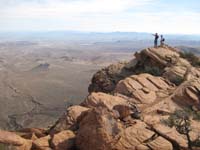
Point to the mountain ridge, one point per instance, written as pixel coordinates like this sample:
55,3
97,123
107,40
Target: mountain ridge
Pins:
129,107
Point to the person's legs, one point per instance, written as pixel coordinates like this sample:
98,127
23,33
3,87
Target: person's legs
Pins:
162,43
155,43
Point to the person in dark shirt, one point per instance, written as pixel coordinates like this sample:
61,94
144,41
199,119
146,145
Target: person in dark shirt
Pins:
156,40
162,40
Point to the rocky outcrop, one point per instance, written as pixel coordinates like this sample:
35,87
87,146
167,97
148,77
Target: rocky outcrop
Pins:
104,100
126,109
16,141
138,136
106,79
188,93
68,120
11,138
163,61
101,129
172,135
42,143
144,88
97,129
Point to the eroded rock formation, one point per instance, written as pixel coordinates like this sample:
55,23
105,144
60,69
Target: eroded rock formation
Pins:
125,108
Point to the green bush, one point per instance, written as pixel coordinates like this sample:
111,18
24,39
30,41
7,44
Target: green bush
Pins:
180,119
194,114
176,118
6,147
178,80
196,142
191,57
153,71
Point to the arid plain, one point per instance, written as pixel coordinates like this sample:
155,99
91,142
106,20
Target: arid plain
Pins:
39,79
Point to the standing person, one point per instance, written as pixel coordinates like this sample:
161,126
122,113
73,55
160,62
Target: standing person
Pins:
156,40
162,40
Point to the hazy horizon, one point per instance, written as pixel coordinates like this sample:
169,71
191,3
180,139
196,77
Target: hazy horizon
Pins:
86,32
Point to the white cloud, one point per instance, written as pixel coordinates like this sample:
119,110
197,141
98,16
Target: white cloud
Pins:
95,15
56,8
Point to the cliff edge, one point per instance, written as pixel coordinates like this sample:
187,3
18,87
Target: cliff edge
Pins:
149,103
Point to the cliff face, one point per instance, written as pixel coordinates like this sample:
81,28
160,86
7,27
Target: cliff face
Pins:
130,107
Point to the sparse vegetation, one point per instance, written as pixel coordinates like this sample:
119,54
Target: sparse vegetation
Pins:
153,70
196,142
5,147
191,57
181,120
194,114
178,80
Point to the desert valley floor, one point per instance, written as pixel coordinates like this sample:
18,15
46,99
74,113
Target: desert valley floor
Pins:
39,79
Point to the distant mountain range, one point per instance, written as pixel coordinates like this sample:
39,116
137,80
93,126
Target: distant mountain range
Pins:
120,41
92,36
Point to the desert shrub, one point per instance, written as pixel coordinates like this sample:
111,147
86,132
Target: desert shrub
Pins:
180,119
5,147
178,80
185,113
194,114
153,71
191,57
196,142
197,116
176,119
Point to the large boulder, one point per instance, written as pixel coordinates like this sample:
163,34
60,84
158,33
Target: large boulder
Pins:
188,93
194,133
26,146
116,103
162,55
169,63
11,138
137,137
69,118
104,100
172,135
144,88
106,79
97,128
156,124
42,143
63,140
16,141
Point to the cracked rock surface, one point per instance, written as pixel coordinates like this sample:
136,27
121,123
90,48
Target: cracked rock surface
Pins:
124,110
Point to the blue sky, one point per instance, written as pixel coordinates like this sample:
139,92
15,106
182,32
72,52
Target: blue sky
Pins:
163,16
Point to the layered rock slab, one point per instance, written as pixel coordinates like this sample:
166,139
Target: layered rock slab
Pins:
188,93
162,61
144,88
